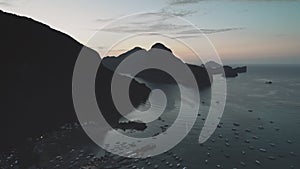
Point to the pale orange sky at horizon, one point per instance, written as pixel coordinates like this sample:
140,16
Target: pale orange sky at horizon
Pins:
244,31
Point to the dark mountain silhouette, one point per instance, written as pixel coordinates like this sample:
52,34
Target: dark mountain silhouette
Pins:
157,76
112,62
227,71
242,69
161,46
233,72
36,69
213,65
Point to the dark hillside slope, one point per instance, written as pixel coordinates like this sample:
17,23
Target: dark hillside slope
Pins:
36,70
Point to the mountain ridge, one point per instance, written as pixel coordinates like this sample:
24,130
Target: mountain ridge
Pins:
36,66
203,78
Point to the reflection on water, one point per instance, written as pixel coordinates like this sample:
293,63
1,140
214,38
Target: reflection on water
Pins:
258,128
168,123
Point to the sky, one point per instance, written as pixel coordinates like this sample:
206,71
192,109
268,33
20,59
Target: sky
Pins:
237,31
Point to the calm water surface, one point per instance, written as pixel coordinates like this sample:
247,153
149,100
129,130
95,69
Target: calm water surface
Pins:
268,116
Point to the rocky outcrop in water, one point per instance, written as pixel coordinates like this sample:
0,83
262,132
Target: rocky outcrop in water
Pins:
242,69
227,71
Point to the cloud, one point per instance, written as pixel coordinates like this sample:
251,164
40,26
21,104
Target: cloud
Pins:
101,47
160,23
154,16
178,12
168,28
183,2
160,16
104,19
187,2
185,37
208,31
149,27
5,3
9,3
196,33
145,17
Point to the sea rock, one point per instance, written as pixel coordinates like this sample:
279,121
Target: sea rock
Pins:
242,69
229,72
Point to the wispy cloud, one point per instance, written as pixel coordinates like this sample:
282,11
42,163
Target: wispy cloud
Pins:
5,3
161,15
178,12
159,22
185,37
187,2
11,2
162,22
208,31
174,29
147,27
105,19
183,2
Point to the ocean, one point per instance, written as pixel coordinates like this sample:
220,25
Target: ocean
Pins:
258,129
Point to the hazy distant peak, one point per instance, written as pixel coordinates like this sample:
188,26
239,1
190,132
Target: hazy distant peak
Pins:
161,46
212,64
